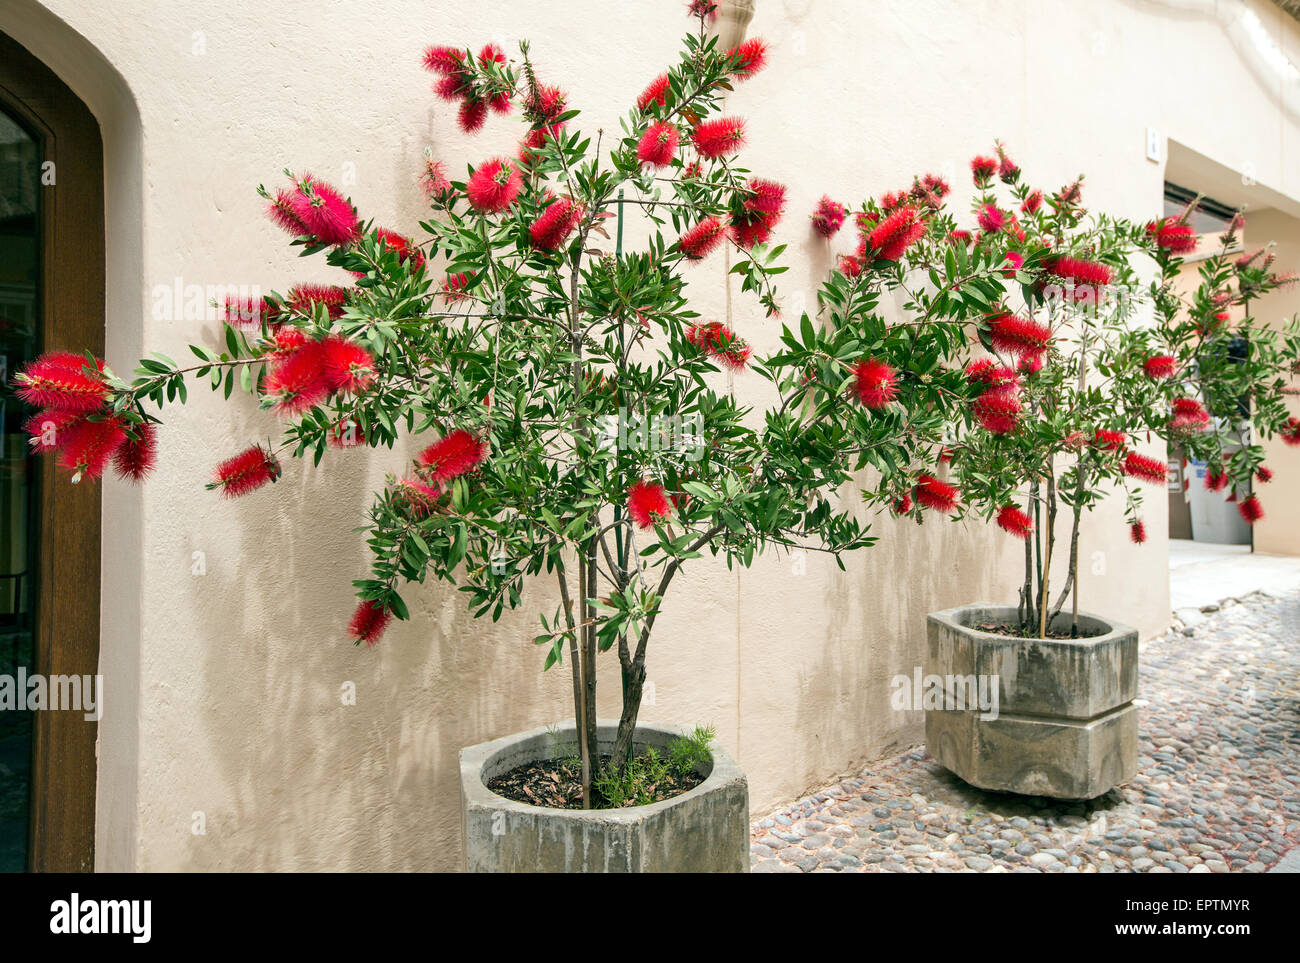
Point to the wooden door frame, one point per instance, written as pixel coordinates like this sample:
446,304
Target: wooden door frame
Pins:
72,297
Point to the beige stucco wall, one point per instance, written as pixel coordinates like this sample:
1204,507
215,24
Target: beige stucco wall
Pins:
1278,533
224,688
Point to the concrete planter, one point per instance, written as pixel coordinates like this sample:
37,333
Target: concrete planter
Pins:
1065,725
705,830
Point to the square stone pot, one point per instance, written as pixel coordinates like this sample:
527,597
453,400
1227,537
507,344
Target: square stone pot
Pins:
1066,725
705,830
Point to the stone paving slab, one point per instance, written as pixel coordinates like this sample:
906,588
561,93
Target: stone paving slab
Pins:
1217,790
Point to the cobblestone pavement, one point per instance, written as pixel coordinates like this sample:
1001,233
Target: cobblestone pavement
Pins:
1217,790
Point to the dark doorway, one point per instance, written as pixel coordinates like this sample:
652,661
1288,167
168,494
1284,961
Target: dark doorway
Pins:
51,299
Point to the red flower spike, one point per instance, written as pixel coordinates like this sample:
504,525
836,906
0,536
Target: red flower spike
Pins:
1015,522
646,502
1160,366
60,382
494,186
1080,272
346,433
1108,440
1138,532
1019,336
658,145
246,472
281,211
891,239
368,622
983,169
453,455
990,219
751,57
48,429
720,343
1251,510
875,383
702,239
299,381
305,297
444,60
348,366
240,311
1032,203
87,446
434,181
901,506
935,494
829,217
1144,468
135,458
719,138
471,115
656,93
324,211
1172,235
1264,474
554,225
1216,479
850,266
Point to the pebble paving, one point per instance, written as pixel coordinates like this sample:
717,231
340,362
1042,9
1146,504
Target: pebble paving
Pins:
1217,789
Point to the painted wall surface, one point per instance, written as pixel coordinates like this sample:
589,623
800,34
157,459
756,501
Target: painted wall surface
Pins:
225,668
1278,533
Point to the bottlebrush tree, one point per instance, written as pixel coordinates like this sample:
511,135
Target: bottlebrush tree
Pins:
990,375
1213,378
570,410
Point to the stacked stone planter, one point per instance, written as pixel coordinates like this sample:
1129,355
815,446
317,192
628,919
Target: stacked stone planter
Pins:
1066,725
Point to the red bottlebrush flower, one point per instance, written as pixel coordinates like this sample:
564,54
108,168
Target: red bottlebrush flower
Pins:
86,447
299,380
402,246
453,287
494,185
453,455
1160,366
1264,474
935,494
1030,364
434,181
247,312
1008,170
988,372
286,340
554,225
472,115
829,217
719,138
750,56
1145,468
703,239
990,219
960,237
323,211
135,458
1075,440
347,365
546,105
761,211
1189,415
368,622
765,197
903,505
1032,203
658,145
892,201
420,498
720,343
1138,532
1216,479
1016,260
1071,193
647,501
246,472
346,433
1108,440
1172,235
48,428
896,234
1015,522
281,211
1019,336
850,266
444,60
1251,510
60,382
704,9
305,297
875,383
656,93
983,168
530,147
1084,276
998,410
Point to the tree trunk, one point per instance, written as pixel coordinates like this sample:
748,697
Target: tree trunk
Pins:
633,683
